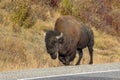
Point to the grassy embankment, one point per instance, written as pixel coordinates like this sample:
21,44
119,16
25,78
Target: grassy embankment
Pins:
22,48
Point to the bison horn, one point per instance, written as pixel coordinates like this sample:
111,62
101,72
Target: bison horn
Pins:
61,35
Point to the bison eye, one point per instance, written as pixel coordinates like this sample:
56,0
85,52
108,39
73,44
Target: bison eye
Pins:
53,43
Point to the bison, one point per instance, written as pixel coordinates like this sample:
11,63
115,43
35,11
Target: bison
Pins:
69,35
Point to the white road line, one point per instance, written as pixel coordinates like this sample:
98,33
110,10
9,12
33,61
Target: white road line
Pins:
82,73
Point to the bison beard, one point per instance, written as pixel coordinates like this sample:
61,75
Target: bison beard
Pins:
69,35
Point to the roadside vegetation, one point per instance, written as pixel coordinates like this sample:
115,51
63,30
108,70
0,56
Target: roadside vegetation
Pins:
22,25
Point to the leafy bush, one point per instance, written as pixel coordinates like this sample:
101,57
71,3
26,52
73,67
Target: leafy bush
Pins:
66,7
98,13
115,22
76,8
22,13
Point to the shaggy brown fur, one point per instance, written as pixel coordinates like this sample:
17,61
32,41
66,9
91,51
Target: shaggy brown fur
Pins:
76,36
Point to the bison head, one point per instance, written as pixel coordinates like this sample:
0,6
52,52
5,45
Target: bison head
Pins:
53,40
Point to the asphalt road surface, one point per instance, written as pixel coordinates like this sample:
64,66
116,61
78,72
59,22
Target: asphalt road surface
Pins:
98,75
110,71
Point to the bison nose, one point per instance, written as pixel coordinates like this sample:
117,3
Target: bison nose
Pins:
53,56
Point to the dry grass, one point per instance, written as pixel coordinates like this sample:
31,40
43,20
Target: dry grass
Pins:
107,48
27,50
22,48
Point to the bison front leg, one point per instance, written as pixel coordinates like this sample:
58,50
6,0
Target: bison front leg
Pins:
67,60
64,59
80,56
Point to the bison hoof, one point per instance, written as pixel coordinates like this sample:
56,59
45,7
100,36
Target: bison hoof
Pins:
77,64
91,63
67,63
53,56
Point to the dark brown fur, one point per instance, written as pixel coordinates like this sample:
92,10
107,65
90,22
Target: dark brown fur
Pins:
76,36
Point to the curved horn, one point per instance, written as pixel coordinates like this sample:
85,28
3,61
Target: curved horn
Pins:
61,35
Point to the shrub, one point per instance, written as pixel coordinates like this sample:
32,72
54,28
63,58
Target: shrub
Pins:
81,9
76,8
54,3
98,13
66,7
115,15
22,13
42,9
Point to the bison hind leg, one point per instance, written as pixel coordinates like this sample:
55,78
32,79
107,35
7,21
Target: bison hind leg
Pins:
91,54
80,56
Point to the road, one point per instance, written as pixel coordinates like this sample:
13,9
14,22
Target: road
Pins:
98,75
110,71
